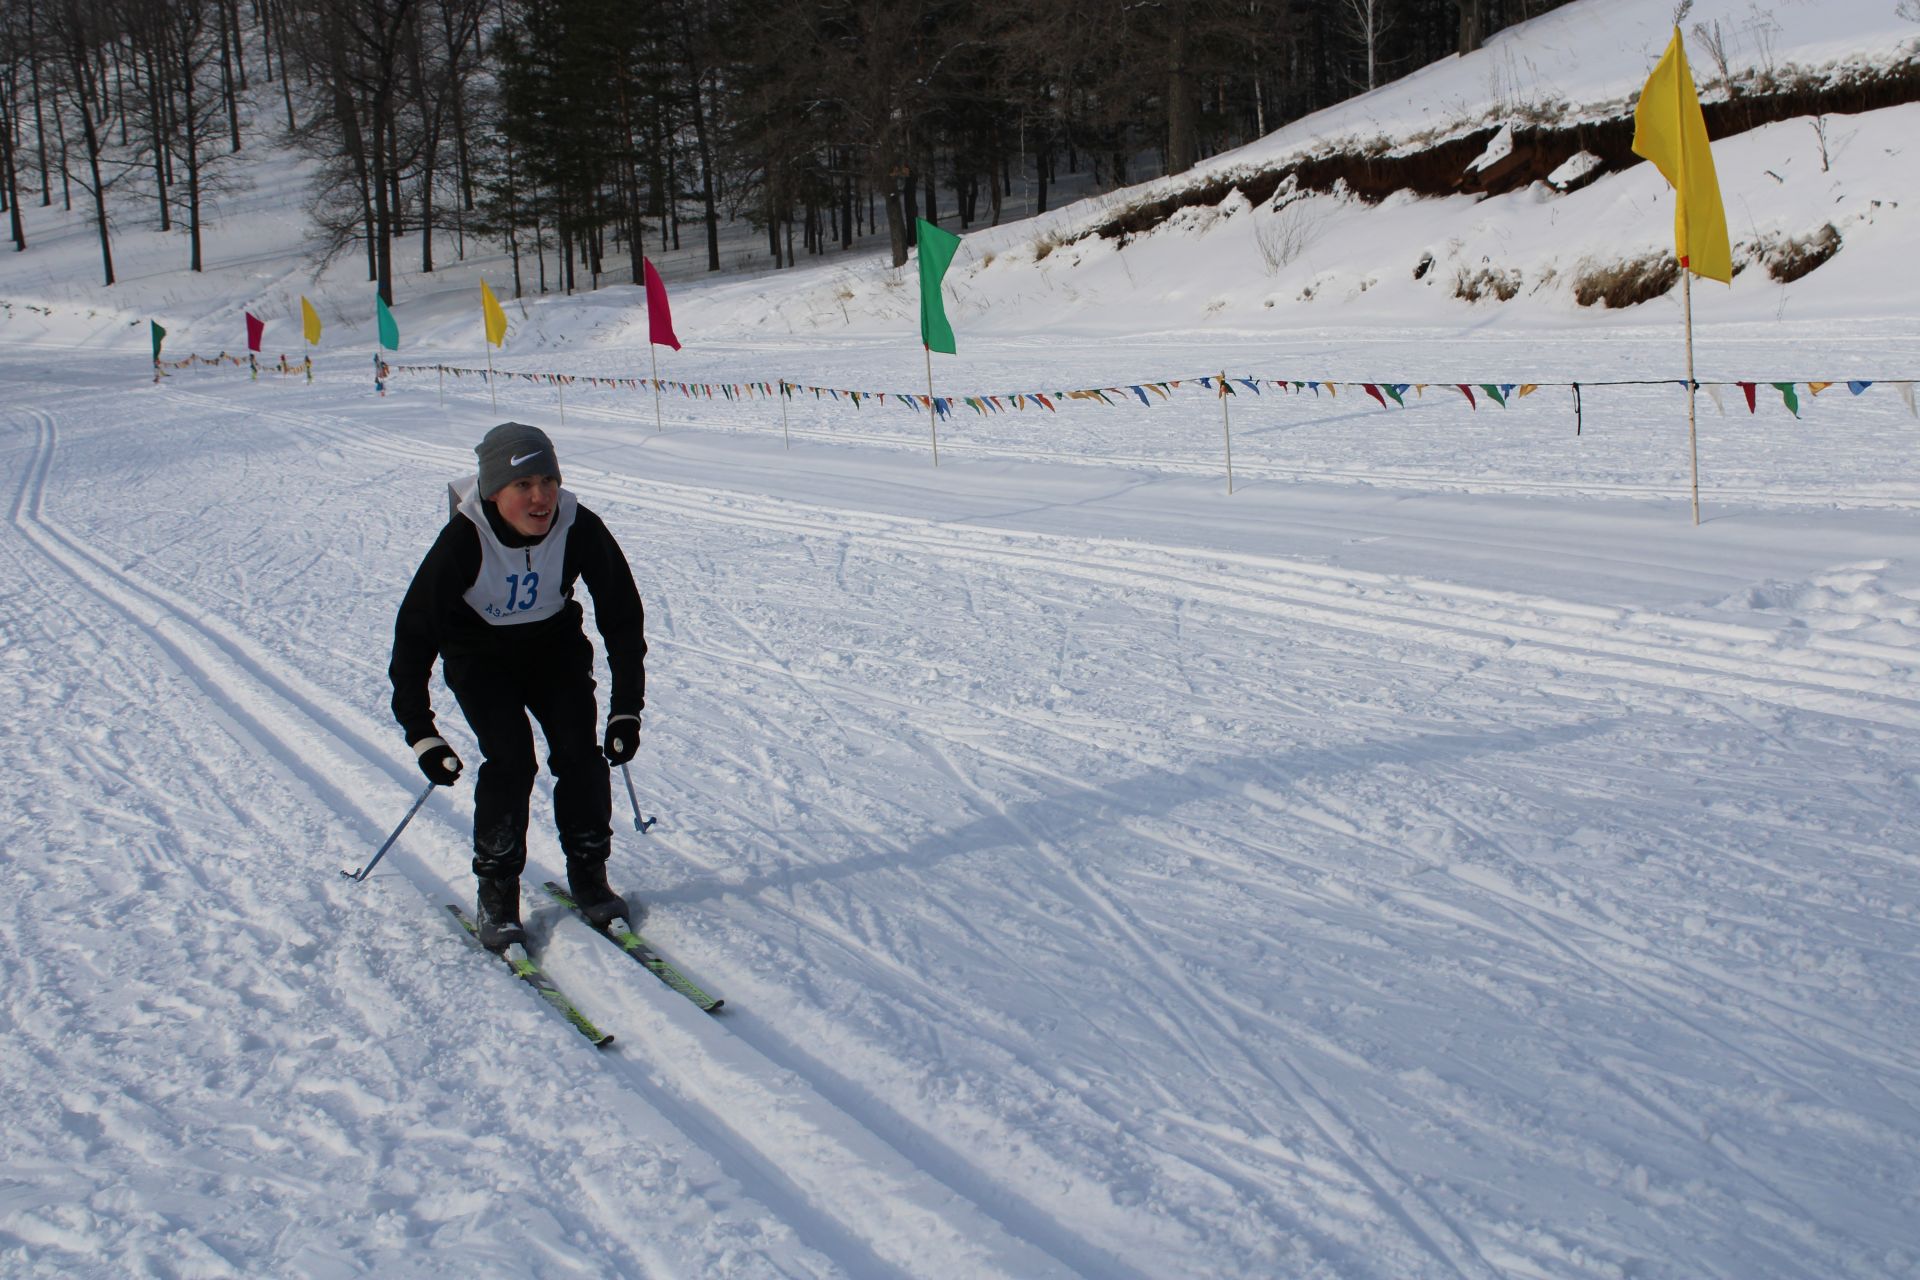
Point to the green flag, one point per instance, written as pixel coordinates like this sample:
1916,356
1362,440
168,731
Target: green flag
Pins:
159,336
937,248
389,331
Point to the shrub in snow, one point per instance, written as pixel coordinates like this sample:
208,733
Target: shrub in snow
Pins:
1627,282
1472,285
1787,258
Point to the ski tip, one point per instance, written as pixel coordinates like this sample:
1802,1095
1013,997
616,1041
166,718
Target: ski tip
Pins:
717,1006
604,1041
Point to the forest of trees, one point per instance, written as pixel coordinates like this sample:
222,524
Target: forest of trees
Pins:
568,132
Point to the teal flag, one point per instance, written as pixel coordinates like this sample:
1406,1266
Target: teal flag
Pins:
159,336
389,331
937,248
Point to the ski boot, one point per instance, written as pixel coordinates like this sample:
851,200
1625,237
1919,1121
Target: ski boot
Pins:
497,918
587,885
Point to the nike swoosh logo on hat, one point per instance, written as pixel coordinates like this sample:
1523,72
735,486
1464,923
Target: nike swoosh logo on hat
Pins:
514,462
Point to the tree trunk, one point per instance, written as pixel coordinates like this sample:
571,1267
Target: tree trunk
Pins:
1182,135
39,115
7,165
191,118
897,223
78,54
708,212
1473,24
227,85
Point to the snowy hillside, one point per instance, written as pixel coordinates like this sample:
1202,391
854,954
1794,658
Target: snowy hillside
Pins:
1436,858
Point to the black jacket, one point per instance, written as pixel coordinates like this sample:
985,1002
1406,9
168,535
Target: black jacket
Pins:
435,620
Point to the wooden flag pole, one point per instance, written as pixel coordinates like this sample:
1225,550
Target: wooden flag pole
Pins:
783,413
1226,428
933,415
491,397
1693,446
654,352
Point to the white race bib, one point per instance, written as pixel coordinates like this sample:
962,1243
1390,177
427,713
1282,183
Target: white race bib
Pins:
515,585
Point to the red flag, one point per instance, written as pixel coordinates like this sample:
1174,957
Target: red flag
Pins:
255,327
659,319
1747,389
1374,391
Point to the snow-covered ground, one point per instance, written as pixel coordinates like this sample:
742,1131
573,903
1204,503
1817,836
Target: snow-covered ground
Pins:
1436,858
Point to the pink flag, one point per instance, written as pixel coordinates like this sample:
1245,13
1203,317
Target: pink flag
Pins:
255,327
659,320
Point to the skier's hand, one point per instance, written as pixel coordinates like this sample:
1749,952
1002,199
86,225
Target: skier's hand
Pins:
437,761
623,739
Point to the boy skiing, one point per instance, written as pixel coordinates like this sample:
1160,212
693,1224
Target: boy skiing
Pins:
493,600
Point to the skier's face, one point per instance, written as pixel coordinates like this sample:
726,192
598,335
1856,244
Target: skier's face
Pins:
528,504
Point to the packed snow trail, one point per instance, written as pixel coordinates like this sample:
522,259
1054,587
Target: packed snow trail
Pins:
1085,905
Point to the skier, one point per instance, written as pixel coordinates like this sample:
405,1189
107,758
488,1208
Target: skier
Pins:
493,600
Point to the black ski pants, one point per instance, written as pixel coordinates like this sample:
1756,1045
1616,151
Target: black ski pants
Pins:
496,694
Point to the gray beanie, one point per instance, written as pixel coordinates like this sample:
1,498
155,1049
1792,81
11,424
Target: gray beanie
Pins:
512,450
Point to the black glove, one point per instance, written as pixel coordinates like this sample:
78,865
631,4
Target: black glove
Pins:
623,739
437,761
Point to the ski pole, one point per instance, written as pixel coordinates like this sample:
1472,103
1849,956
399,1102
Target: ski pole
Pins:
639,824
367,870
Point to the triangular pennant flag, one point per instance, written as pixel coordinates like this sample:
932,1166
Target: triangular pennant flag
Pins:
1748,389
1817,387
1467,391
659,318
492,316
309,322
1788,397
1904,388
1713,394
1142,393
1857,386
1528,388
1374,391
1494,394
1398,390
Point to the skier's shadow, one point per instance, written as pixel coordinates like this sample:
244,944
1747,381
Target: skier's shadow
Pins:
1069,813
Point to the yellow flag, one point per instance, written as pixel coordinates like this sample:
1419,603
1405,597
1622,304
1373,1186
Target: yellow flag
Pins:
1669,129
495,318
310,322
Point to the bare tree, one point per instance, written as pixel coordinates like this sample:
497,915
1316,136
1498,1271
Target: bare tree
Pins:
79,30
1369,22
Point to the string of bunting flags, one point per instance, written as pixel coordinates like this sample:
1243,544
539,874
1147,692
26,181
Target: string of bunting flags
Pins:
301,368
1148,393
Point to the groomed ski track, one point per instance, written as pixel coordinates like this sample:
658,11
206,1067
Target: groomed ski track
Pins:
853,1198
1245,1127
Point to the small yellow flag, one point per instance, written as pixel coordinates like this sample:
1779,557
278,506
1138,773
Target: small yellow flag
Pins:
1669,129
496,319
309,322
